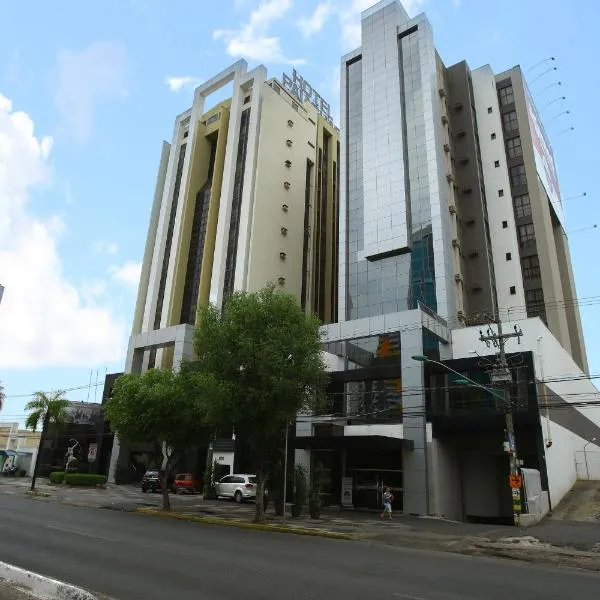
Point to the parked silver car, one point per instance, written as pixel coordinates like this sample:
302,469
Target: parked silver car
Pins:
238,487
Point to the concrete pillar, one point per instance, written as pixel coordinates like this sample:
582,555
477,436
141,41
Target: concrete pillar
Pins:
133,364
415,461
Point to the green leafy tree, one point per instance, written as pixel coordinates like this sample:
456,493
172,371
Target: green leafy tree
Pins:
49,409
260,363
156,408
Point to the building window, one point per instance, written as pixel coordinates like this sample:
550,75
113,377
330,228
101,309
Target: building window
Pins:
500,193
496,163
508,256
531,267
506,95
526,233
510,121
290,122
518,175
522,206
493,136
489,110
289,143
513,147
513,290
504,224
247,99
236,205
534,300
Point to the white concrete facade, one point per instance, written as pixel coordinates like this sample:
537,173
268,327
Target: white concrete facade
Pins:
501,217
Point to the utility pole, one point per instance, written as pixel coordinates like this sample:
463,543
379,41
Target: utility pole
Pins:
502,375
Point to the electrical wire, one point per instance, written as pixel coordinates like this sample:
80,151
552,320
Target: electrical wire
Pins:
509,312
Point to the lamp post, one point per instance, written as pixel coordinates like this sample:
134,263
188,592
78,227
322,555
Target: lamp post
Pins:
285,463
587,469
290,358
510,430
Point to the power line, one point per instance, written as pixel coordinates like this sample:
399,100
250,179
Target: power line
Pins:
512,314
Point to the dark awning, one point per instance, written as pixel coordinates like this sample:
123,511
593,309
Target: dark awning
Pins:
8,452
352,441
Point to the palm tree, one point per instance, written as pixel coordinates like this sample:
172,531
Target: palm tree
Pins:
50,409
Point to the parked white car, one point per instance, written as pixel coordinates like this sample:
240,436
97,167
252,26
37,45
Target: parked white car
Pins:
238,487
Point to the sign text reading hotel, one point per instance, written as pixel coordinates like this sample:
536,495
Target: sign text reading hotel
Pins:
301,89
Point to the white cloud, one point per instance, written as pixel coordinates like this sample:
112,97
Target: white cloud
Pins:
128,273
85,79
104,247
252,40
309,26
43,318
176,84
349,18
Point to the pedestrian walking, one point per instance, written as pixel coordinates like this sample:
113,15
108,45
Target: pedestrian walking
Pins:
388,498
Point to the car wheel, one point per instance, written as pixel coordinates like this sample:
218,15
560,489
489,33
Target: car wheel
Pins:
238,497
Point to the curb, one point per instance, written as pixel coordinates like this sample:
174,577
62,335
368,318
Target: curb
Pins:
246,525
46,587
565,557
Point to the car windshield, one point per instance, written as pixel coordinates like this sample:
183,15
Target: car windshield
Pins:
151,473
252,480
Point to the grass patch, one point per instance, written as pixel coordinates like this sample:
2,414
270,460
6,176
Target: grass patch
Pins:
245,524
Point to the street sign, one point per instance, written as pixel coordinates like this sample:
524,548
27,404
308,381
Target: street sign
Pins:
92,452
516,481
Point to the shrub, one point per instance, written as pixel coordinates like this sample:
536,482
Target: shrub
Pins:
57,477
126,476
300,490
84,479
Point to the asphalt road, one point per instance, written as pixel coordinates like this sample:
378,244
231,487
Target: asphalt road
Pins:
131,557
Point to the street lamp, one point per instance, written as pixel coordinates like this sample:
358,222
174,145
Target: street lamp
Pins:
290,358
463,380
587,469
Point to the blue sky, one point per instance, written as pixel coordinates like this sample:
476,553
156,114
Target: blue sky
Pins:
88,90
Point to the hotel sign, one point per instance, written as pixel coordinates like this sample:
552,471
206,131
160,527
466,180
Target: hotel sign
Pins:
301,89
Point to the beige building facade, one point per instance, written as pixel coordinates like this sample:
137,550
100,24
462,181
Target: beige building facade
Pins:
246,195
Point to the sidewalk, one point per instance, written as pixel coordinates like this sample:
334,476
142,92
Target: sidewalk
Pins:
552,536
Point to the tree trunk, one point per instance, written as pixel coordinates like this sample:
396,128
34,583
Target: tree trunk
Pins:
164,487
40,449
259,515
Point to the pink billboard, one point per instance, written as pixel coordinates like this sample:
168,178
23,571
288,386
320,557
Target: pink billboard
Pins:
544,158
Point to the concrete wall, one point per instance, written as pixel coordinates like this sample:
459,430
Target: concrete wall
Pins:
482,486
446,485
588,464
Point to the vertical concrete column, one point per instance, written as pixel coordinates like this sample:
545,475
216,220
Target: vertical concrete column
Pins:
415,461
133,364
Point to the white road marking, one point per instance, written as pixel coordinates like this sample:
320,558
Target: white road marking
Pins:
83,533
407,596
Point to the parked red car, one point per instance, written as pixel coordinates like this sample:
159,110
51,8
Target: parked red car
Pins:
186,482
